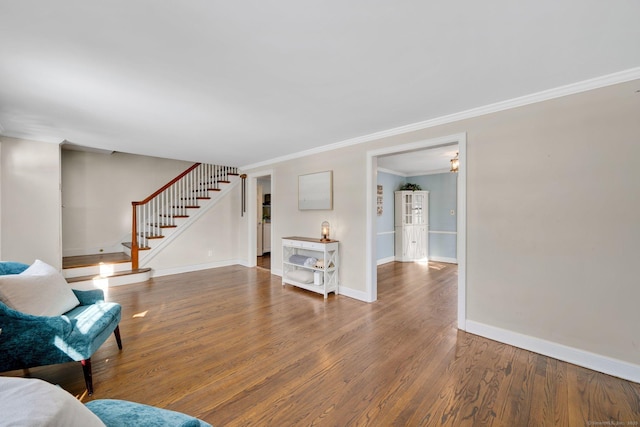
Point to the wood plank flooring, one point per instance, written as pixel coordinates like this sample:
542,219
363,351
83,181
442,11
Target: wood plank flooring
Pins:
91,260
235,348
264,261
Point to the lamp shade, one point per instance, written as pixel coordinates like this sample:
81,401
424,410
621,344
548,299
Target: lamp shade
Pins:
325,231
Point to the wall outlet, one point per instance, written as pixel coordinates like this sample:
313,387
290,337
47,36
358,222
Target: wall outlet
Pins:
210,253
452,212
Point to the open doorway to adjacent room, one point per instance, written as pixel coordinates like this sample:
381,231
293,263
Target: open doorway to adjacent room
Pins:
430,172
263,221
448,225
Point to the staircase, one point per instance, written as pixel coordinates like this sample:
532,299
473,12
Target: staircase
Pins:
156,220
87,272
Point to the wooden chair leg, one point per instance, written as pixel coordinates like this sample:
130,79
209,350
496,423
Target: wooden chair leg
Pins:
88,378
116,332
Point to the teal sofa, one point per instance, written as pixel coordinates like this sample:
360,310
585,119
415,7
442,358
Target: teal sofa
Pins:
122,413
28,341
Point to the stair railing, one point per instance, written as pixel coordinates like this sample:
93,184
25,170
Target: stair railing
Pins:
172,201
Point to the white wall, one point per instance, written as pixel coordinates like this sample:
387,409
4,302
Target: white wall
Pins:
212,241
30,201
552,217
346,219
97,191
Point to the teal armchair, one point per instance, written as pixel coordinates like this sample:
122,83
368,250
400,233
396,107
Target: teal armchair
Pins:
28,341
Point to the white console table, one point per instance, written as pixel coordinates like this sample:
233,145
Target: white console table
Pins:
310,276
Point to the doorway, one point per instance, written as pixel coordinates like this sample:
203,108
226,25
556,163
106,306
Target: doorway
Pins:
427,170
263,221
372,171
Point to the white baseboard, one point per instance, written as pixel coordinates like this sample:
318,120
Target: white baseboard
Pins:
352,293
386,260
443,259
190,268
597,362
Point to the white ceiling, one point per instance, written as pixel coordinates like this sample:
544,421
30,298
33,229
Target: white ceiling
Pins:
240,82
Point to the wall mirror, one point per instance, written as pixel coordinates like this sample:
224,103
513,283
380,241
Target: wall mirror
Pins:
315,191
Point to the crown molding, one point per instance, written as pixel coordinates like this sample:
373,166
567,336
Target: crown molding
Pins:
433,172
392,172
23,137
545,95
413,173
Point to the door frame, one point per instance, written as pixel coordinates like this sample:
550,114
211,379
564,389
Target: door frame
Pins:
252,213
371,274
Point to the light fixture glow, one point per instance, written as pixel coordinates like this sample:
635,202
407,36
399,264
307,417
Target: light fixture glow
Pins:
325,232
455,163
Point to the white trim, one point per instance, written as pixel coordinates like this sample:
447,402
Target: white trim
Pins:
352,293
371,268
371,279
461,229
252,214
386,260
105,283
570,89
442,232
383,233
197,267
443,259
94,270
432,172
414,173
597,362
392,172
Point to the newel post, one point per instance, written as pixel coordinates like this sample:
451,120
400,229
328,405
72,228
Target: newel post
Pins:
134,239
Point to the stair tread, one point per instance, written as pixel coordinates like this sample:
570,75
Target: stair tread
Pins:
79,261
115,274
142,248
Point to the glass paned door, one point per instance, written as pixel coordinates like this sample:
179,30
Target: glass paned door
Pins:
418,203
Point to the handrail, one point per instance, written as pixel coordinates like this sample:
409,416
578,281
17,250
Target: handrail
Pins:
171,201
167,185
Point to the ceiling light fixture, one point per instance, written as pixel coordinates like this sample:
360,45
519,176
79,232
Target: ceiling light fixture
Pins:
455,163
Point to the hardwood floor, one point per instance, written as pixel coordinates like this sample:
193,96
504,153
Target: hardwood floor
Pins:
234,347
264,261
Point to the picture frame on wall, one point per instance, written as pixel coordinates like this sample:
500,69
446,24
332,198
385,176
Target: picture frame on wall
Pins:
315,191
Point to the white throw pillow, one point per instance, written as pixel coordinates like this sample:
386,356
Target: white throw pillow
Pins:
302,276
28,402
39,268
45,293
